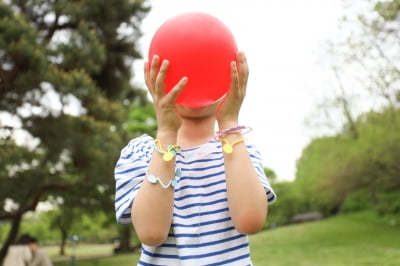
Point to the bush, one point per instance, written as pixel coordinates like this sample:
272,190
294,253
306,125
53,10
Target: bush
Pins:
357,200
290,201
389,202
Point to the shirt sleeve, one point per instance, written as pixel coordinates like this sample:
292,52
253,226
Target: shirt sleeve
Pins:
258,164
129,173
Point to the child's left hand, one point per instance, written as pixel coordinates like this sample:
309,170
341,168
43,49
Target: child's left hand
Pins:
228,111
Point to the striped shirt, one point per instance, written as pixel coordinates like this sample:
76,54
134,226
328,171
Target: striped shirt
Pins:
202,232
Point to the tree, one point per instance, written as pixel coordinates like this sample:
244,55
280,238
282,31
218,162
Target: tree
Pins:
367,54
270,174
365,64
291,200
65,72
331,168
363,58
320,161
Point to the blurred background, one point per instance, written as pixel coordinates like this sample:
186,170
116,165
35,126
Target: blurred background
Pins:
323,101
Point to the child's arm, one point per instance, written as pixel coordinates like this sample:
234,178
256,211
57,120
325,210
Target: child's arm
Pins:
152,208
247,197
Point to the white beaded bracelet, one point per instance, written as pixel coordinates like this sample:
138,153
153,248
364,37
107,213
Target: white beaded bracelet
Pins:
172,183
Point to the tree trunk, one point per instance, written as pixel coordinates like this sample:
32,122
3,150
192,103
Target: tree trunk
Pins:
64,235
125,241
12,235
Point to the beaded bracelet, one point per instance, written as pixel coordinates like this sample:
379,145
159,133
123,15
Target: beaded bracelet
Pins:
167,154
228,147
235,129
172,183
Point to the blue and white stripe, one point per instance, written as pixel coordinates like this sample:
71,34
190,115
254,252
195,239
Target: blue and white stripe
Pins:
202,232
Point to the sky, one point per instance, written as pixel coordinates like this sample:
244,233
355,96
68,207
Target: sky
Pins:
283,41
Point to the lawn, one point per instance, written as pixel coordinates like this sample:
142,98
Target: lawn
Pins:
82,250
118,260
345,240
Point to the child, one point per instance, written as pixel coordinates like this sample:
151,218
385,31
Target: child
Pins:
39,256
191,196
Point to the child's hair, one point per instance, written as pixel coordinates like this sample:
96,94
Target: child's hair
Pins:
24,239
33,240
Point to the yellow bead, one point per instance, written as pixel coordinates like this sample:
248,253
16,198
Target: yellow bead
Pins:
227,148
168,156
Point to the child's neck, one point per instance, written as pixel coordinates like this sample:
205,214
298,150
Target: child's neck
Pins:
195,132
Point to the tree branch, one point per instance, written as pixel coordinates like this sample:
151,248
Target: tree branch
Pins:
52,29
345,105
35,200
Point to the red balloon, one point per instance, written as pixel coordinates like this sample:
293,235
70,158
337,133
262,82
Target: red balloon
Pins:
200,47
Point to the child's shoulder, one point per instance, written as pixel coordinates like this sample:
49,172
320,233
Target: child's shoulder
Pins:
142,140
139,143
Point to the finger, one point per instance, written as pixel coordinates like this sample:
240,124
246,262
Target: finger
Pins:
176,90
154,68
146,70
234,78
160,81
243,70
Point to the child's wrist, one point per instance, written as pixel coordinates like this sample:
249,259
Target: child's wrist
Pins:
233,130
222,125
167,135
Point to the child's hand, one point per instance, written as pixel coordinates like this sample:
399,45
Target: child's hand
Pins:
164,104
228,112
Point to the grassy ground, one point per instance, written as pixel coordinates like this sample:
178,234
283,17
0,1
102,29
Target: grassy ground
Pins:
81,250
357,239
118,260
346,240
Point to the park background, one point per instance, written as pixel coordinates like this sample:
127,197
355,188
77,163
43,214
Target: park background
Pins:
71,98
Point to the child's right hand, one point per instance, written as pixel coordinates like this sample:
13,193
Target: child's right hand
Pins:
167,118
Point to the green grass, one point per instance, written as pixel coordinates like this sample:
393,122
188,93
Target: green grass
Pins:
117,260
346,240
356,239
91,255
81,250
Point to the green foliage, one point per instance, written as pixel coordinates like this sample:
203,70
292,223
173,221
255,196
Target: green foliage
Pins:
357,200
271,175
339,170
23,59
320,161
290,201
389,10
4,230
389,203
92,228
38,225
84,50
141,120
